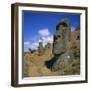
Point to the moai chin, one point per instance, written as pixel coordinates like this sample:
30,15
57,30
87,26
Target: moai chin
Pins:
61,37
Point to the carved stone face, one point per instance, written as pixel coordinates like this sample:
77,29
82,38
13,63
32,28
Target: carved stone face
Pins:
58,47
61,38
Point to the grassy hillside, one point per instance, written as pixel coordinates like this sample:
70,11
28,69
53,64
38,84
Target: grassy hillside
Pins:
34,64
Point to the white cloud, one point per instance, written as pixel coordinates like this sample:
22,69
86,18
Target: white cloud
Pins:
44,32
50,39
34,46
26,46
27,43
72,28
45,37
40,40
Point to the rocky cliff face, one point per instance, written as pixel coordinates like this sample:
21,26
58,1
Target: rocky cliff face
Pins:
66,49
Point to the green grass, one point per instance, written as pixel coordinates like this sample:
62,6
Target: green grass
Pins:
73,68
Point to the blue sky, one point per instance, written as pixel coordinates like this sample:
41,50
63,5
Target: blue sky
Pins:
41,26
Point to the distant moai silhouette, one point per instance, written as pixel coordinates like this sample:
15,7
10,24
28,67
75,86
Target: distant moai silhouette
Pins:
40,48
48,45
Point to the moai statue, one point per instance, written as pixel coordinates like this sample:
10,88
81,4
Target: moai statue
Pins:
60,51
62,37
40,48
48,45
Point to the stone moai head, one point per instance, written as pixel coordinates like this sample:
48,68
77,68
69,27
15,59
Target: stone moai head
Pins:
61,37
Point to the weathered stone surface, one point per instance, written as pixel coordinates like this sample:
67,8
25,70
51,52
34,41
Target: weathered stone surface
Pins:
66,48
62,61
62,37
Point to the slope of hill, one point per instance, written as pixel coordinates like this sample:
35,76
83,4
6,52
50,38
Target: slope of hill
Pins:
34,64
